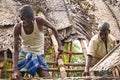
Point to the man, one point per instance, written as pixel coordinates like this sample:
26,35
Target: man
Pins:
29,34
99,46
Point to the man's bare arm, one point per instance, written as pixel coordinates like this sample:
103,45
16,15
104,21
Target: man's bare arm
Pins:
87,66
16,46
49,25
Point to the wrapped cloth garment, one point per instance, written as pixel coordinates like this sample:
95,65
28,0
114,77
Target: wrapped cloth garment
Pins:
30,62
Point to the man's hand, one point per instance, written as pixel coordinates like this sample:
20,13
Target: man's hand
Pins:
17,75
85,73
87,66
60,51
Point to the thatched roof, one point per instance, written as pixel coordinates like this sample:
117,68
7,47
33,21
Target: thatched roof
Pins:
57,13
6,38
7,12
110,61
71,21
66,14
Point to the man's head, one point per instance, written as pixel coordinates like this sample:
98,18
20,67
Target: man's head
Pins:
104,30
103,26
26,13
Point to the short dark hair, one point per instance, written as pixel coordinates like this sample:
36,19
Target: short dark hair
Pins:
26,12
103,26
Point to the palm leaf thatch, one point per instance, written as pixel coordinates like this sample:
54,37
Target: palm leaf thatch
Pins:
7,20
7,12
71,20
69,16
6,38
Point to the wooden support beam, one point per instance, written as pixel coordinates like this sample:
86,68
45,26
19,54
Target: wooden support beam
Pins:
71,78
68,70
62,68
5,63
8,59
74,53
116,72
74,64
55,45
74,70
60,61
68,64
68,52
70,55
51,69
0,73
1,65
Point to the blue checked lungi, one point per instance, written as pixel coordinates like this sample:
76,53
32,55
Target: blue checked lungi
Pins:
30,62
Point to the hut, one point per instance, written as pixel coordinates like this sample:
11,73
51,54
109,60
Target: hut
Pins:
70,18
72,22
8,11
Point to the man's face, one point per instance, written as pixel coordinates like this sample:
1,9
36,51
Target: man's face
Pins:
104,34
29,20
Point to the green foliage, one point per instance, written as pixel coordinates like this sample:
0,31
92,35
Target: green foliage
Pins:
7,66
75,74
75,58
51,49
75,48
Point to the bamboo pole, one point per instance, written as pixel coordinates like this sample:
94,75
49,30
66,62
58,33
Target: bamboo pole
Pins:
62,68
0,73
70,55
5,63
68,64
55,44
68,52
71,78
116,72
59,60
50,69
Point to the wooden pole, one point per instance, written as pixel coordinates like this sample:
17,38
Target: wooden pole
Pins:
116,73
55,45
5,63
70,55
60,61
61,68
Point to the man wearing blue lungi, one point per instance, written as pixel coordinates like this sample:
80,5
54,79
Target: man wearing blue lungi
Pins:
29,34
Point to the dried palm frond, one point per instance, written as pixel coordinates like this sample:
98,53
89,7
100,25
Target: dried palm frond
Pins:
110,61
